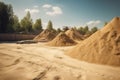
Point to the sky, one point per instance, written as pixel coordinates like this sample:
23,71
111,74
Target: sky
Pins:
68,12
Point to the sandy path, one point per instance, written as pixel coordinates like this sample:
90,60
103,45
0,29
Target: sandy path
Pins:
40,62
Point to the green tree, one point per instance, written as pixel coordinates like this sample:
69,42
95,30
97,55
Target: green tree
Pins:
37,27
86,29
3,17
105,23
94,29
65,28
81,30
26,23
59,30
11,19
16,25
50,25
6,18
75,28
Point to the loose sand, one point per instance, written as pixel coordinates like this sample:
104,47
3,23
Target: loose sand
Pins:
103,47
62,40
74,34
45,35
41,62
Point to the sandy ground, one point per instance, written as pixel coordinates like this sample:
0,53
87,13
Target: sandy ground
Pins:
40,62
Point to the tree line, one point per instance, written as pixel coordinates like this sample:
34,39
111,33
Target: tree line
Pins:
10,23
84,30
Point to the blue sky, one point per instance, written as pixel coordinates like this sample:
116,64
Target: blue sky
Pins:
68,12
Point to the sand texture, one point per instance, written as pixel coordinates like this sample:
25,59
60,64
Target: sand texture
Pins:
41,62
45,35
74,34
62,40
103,47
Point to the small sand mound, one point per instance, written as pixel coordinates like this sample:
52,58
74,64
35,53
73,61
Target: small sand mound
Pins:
102,47
45,35
61,40
74,34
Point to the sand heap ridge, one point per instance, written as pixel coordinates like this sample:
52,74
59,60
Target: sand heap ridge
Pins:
73,34
103,47
61,40
46,35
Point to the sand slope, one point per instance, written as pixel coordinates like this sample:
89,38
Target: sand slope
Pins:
102,47
62,40
45,35
74,34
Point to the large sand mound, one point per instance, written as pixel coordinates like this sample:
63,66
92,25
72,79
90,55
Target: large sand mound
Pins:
102,47
61,40
73,34
45,35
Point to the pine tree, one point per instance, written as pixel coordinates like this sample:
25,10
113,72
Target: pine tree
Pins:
50,25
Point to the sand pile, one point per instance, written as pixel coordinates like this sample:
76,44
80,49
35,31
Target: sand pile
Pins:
45,35
73,34
61,40
102,47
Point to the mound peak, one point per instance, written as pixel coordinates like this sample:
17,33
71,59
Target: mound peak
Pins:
45,35
115,19
61,34
74,34
114,24
61,40
103,47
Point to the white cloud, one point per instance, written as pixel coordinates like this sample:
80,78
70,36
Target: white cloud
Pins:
32,11
93,23
47,6
52,10
55,11
36,6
